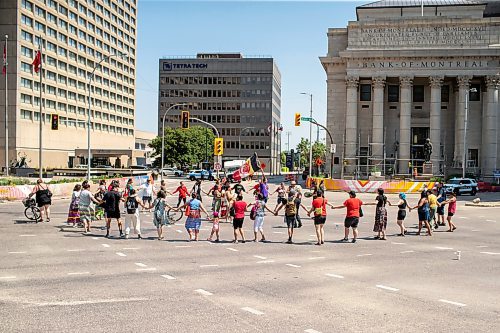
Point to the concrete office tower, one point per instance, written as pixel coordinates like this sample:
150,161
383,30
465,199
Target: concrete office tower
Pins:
240,96
77,35
396,78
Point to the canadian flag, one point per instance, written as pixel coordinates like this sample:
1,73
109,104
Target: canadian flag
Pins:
4,68
37,62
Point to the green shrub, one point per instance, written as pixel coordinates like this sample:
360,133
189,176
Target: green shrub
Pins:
11,181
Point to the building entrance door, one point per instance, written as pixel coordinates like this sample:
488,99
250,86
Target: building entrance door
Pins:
418,137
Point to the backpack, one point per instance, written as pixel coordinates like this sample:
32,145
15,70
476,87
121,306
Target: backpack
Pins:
158,214
253,212
131,205
290,208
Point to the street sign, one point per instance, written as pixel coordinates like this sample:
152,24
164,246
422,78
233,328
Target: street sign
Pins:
217,166
333,148
306,118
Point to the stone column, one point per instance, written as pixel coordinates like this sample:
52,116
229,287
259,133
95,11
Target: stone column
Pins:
489,127
405,123
463,89
435,121
351,123
378,84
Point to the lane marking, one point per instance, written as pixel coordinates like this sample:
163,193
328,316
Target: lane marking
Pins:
131,248
17,252
78,273
315,258
278,232
182,246
95,237
292,265
168,277
146,269
98,301
386,287
310,330
396,243
364,255
443,248
260,257
490,221
204,292
315,251
482,246
453,303
179,231
231,249
140,264
312,235
409,251
493,253
76,250
463,217
251,310
209,266
475,230
7,277
334,276
264,261
121,254
106,245
27,235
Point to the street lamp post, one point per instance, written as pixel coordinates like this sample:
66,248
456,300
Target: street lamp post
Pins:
310,134
239,141
89,120
163,137
464,157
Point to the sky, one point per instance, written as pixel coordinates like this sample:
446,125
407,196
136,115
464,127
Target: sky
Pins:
292,32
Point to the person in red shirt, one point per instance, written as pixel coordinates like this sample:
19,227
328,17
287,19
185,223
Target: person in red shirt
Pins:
240,207
183,192
353,206
319,208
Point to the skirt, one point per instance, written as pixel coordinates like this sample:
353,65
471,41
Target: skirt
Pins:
85,213
194,220
380,219
73,215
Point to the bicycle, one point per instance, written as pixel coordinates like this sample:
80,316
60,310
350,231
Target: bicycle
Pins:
174,215
32,212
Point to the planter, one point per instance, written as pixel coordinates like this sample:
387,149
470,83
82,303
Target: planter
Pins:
376,173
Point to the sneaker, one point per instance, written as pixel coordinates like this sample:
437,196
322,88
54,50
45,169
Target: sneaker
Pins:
139,236
353,240
344,239
299,225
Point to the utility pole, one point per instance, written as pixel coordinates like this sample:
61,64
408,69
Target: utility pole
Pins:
310,134
288,140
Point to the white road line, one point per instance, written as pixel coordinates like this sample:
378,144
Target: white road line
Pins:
386,287
443,248
260,257
396,243
334,276
315,251
493,253
182,246
312,235
463,217
7,277
315,258
265,261
364,255
251,310
475,230
131,248
146,269
27,235
202,266
204,292
310,330
490,221
17,252
453,303
231,249
409,251
292,265
95,237
140,264
278,232
168,277
98,301
78,273
76,250
179,231
482,246
121,254
105,245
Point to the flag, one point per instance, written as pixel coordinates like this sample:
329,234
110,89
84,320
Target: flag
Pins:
250,166
37,62
4,68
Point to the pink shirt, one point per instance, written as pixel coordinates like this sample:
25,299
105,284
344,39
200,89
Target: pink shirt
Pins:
452,207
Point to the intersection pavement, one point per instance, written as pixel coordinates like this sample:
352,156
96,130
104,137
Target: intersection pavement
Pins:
64,281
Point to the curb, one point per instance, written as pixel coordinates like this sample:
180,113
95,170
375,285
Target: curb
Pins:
485,204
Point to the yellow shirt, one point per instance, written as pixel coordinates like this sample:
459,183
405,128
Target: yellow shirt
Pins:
433,201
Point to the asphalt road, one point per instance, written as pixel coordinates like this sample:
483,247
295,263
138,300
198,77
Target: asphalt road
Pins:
63,281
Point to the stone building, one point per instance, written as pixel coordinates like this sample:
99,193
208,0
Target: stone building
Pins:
402,73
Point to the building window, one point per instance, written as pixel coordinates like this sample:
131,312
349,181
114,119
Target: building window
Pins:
475,93
445,94
365,92
473,158
418,93
393,93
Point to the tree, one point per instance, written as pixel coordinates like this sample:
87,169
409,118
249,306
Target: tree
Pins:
318,151
184,147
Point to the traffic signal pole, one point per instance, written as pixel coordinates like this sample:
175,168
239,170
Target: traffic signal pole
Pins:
312,121
219,158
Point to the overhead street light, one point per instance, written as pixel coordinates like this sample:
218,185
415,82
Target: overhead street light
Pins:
310,133
162,162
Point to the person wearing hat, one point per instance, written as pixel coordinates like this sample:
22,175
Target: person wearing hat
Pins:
354,212
292,206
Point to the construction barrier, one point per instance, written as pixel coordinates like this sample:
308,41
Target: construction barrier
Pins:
368,186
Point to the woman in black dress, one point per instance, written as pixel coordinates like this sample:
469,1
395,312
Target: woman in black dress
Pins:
43,198
380,215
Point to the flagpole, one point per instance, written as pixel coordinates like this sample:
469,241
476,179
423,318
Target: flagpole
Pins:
40,172
6,111
422,8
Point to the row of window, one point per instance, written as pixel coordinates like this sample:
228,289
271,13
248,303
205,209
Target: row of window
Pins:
177,80
195,106
72,122
253,145
224,119
198,93
365,93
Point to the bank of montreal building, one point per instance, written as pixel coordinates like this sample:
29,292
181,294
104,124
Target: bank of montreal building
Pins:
396,78
237,94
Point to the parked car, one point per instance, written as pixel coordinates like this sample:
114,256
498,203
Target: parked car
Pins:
103,167
172,172
199,174
461,186
139,167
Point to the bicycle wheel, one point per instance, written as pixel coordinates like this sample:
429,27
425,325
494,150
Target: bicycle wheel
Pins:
174,215
33,214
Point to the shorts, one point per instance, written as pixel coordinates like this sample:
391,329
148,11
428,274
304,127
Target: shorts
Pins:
401,214
113,214
450,214
423,216
319,220
351,222
238,223
291,221
146,198
440,210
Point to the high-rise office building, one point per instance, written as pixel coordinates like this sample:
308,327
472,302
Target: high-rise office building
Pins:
76,35
240,96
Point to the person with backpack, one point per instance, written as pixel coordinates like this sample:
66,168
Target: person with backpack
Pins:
319,204
291,211
132,204
257,215
160,217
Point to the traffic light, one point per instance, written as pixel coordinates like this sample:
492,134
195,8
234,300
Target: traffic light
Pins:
297,119
218,146
185,119
54,121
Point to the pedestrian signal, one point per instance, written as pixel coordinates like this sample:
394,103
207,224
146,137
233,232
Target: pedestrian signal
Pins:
185,119
297,119
218,146
54,121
